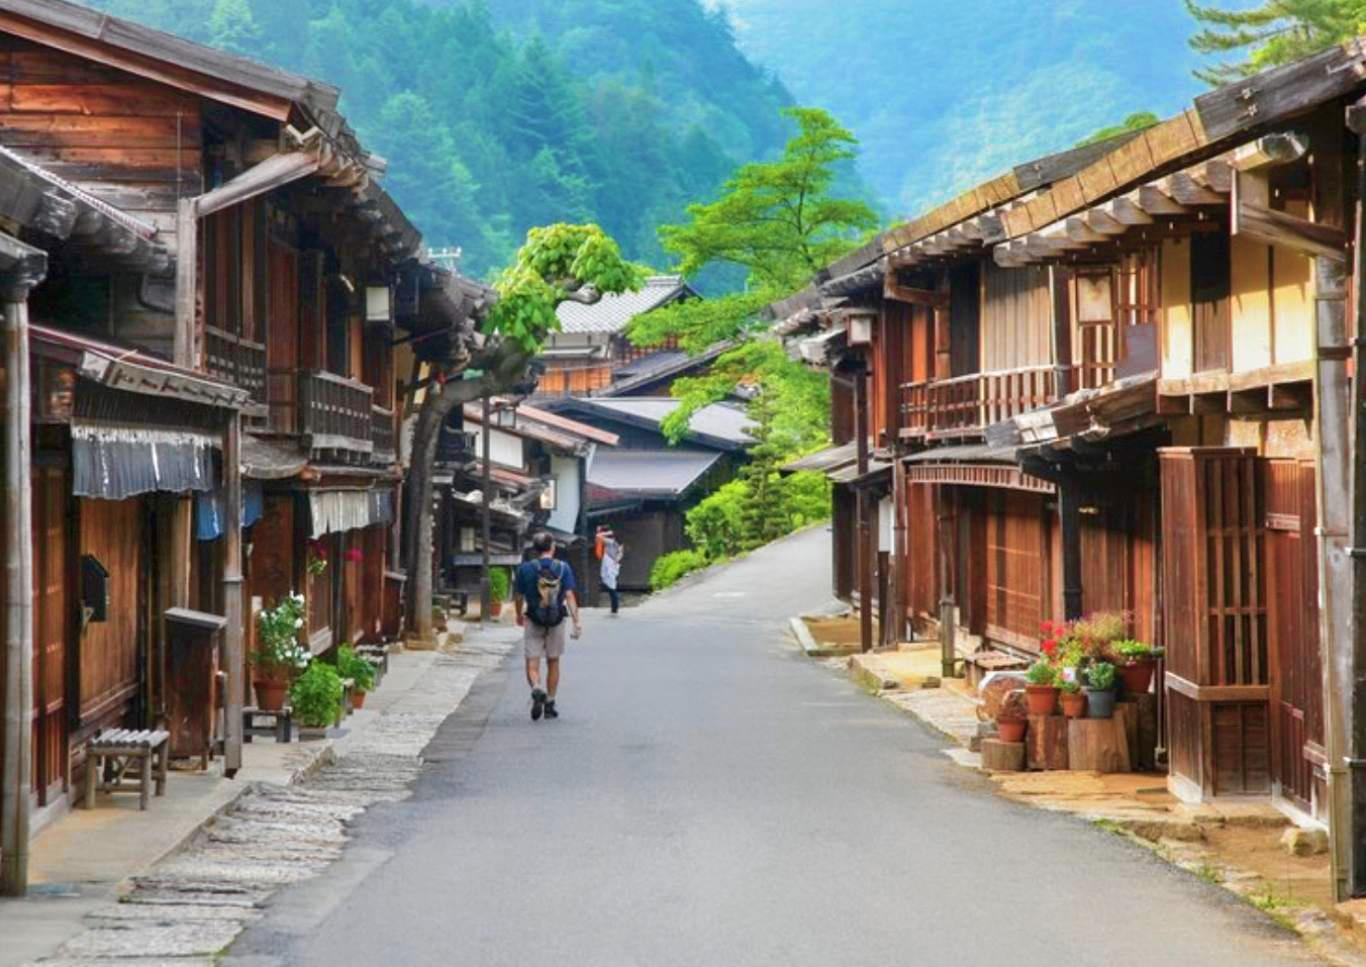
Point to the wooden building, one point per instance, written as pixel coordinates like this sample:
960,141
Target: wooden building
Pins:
1093,380
216,281
591,352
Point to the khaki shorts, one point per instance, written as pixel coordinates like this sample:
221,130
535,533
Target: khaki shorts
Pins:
544,642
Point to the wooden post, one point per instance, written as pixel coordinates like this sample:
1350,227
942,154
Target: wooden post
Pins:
896,606
1060,277
865,545
1069,519
234,635
1345,673
186,282
946,518
486,535
16,757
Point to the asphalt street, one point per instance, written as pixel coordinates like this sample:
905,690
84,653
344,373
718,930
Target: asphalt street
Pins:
710,797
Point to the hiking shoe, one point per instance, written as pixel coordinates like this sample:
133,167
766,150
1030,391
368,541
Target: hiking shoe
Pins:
550,711
537,704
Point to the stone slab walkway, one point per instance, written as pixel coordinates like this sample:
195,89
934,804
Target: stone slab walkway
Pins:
189,907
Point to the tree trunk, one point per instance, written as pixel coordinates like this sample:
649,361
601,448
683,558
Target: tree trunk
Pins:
502,369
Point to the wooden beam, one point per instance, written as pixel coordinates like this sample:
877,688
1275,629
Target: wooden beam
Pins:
1269,151
1155,201
1186,190
273,173
1079,231
1263,224
1126,210
917,297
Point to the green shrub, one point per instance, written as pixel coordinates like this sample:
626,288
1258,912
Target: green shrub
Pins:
714,524
317,695
353,666
498,583
806,498
669,568
1100,676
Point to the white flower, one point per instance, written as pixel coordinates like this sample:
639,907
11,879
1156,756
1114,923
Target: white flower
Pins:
298,622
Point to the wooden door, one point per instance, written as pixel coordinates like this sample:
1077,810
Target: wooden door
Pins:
1017,568
52,628
1297,683
111,651
1210,310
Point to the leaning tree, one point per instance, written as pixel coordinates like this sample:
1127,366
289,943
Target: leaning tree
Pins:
558,263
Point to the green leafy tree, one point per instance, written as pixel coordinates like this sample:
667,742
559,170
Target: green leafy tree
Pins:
232,27
1271,32
558,263
763,516
778,220
1139,121
714,525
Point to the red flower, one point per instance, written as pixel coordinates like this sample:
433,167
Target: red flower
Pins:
1046,627
353,554
1050,647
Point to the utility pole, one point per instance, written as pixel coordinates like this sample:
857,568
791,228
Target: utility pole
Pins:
485,587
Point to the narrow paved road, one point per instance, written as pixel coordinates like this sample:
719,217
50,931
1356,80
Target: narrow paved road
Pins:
711,798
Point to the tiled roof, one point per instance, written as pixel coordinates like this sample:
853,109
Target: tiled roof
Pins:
719,424
649,473
611,313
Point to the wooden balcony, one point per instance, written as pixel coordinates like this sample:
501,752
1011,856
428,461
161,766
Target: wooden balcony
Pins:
337,414
236,360
966,405
383,436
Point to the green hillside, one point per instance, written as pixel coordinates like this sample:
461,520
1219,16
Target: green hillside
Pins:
944,93
491,128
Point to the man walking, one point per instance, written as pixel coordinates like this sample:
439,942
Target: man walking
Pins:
544,594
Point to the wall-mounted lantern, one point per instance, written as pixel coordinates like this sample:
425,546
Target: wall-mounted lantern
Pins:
379,304
860,327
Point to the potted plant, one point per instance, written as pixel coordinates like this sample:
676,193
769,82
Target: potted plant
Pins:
1137,662
1073,699
316,697
1041,694
361,672
1100,689
498,591
1011,720
281,656
316,561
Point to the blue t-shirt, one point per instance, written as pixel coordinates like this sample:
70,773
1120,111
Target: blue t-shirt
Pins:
529,575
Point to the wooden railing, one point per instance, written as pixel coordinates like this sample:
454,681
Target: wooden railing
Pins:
336,412
382,435
236,360
967,404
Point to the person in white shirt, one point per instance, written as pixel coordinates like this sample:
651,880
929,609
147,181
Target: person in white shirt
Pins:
612,553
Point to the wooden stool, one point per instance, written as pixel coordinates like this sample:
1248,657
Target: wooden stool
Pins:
120,750
281,723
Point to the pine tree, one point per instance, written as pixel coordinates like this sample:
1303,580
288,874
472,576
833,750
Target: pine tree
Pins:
1273,32
763,516
232,27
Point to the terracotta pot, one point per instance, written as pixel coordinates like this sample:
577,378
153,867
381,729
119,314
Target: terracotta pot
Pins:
358,699
495,609
1042,699
271,693
1073,704
1137,676
1011,730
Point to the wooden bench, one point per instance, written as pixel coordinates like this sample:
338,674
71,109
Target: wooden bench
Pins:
119,751
281,723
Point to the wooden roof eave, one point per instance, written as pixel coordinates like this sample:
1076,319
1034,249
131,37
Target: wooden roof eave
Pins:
1181,197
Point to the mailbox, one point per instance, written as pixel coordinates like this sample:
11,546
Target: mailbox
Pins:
94,589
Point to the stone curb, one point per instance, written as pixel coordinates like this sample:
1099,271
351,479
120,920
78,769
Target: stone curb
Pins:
812,647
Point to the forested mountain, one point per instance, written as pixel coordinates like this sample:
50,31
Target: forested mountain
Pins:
494,122
944,93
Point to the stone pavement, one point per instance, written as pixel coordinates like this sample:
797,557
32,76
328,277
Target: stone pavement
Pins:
283,820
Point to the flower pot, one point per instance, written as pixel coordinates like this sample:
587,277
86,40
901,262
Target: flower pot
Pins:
495,609
271,692
1137,676
357,699
1100,705
1042,699
1073,704
1011,730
